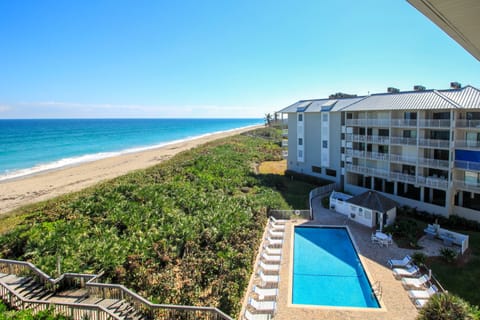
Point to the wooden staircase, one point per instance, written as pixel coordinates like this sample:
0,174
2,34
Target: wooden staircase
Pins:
24,286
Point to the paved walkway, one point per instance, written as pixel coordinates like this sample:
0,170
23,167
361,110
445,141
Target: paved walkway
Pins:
395,303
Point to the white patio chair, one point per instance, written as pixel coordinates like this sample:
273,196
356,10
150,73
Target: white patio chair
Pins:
274,242
423,294
256,316
277,221
415,282
405,273
265,292
276,234
375,239
392,263
268,278
262,305
419,303
269,267
272,251
269,258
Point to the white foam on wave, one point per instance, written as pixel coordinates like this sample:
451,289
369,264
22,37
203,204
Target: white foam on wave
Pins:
67,162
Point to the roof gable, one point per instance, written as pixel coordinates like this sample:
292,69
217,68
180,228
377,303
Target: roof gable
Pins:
374,201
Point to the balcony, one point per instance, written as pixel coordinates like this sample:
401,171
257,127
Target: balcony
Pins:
402,177
403,159
378,139
434,143
285,154
468,124
433,182
355,153
367,171
402,123
426,162
402,140
355,137
432,123
368,122
284,143
467,165
285,132
377,156
464,185
467,144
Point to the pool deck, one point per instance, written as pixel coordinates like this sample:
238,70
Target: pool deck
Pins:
394,300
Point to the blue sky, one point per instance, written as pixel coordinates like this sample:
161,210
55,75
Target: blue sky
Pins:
222,58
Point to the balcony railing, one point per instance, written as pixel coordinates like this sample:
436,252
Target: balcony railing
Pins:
467,144
434,182
368,122
434,163
355,153
397,176
285,154
400,158
367,171
434,123
462,184
467,165
378,139
468,124
404,123
284,143
435,143
285,132
355,137
377,156
402,140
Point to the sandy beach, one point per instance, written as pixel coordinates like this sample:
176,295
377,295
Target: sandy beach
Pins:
47,185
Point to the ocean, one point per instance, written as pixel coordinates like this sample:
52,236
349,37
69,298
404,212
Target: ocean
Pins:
32,146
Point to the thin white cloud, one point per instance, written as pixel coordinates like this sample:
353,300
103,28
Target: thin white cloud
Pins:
5,108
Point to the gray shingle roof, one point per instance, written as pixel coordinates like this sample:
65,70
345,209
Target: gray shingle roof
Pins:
374,201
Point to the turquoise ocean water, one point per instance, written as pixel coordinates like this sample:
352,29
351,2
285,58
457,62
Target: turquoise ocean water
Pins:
31,146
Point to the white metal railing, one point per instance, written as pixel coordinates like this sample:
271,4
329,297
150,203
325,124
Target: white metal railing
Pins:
368,122
284,143
355,137
378,139
404,123
403,177
434,163
400,158
436,143
467,123
377,155
367,171
462,184
285,154
355,153
285,132
434,182
402,140
467,143
467,165
434,123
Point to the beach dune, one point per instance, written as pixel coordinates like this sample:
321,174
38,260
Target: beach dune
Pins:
47,185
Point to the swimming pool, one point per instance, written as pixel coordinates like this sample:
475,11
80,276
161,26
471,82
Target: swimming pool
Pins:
327,270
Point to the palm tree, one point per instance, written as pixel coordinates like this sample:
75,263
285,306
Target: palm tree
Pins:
268,119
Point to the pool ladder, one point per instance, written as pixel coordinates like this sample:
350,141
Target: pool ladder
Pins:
377,290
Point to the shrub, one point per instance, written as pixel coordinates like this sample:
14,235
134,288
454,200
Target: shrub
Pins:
445,306
419,258
448,255
326,202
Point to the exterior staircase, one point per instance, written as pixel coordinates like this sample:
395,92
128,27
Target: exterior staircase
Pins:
80,296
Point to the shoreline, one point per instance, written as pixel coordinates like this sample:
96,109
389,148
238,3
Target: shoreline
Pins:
47,184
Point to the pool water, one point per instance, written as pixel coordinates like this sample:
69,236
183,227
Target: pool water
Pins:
327,270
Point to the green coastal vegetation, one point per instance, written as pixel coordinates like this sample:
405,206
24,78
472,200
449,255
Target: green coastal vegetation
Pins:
185,231
8,314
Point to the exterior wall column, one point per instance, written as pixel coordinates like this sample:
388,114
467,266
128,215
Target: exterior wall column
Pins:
383,185
395,188
430,195
422,194
460,198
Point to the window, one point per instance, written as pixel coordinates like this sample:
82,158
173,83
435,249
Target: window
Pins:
331,173
300,117
300,153
383,132
300,141
410,134
325,144
316,169
410,115
325,117
383,149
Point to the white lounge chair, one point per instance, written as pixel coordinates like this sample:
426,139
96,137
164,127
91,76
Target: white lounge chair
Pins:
402,272
274,242
276,227
262,292
423,294
268,278
267,257
272,251
392,263
276,234
269,267
419,303
415,282
277,221
262,305
256,316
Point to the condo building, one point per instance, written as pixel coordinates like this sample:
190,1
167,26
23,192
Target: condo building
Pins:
421,148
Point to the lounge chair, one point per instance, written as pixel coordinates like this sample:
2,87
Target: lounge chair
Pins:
419,303
423,294
262,292
277,221
274,242
276,234
272,251
268,278
276,227
256,316
401,272
269,267
415,282
267,257
262,305
392,263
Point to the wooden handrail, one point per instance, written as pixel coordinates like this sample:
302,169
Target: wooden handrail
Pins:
151,310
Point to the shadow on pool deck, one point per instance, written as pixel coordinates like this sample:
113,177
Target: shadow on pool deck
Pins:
394,298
